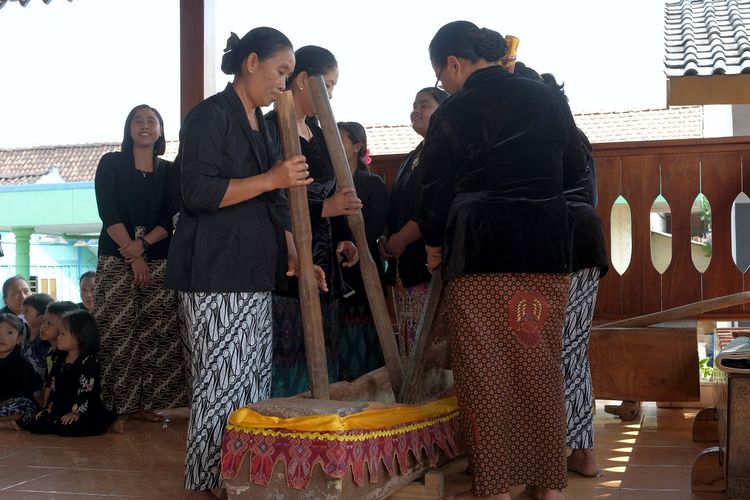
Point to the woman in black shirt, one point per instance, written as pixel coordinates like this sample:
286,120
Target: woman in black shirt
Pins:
359,347
403,244
493,216
143,368
229,250
330,232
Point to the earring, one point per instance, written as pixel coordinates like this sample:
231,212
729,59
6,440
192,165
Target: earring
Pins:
301,88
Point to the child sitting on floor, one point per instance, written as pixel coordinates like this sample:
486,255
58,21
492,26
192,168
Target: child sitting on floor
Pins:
48,332
34,348
75,406
18,380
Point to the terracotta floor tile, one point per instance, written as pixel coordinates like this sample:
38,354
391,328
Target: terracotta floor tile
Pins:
664,455
10,451
58,457
668,438
591,494
30,495
13,475
83,481
612,478
649,458
667,422
657,477
627,494
154,484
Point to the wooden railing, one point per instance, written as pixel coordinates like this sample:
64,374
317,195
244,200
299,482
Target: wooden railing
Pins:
678,170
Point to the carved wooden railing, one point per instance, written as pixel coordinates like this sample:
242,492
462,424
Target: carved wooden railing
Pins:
678,170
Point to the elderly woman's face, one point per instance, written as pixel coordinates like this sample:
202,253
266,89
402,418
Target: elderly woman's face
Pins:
269,80
144,128
17,293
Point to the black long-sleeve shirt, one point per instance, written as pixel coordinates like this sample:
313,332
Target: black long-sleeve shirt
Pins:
125,195
493,178
17,377
372,191
403,207
239,248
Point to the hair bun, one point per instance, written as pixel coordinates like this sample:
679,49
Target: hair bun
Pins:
229,59
490,45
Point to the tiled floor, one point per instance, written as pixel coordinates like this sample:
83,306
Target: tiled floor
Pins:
649,459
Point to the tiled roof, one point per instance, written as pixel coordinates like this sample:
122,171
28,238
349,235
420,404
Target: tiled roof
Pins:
678,122
707,37
75,162
391,139
78,162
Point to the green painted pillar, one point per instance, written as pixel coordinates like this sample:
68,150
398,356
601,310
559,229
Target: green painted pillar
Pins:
23,250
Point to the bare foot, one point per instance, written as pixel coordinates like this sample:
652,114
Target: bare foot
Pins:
468,495
10,422
539,493
582,461
11,425
149,416
118,426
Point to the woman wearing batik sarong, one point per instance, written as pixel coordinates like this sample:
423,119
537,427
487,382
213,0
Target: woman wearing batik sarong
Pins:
142,360
493,216
402,244
331,237
590,263
230,247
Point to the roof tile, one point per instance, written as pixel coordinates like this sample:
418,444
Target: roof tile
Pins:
77,162
706,37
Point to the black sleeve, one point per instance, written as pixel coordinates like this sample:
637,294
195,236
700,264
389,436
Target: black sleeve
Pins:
279,196
201,142
30,379
340,229
164,219
281,202
575,168
375,207
88,380
438,164
173,191
106,188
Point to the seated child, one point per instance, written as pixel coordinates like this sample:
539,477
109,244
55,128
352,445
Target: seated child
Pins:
75,406
18,380
48,332
34,348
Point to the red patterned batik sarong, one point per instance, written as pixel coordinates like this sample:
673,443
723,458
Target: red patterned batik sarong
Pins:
506,339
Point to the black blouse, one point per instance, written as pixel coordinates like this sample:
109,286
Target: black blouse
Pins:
19,379
239,248
589,247
493,178
404,204
371,190
124,195
75,386
326,231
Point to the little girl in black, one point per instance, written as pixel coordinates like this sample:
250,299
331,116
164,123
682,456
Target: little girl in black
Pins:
18,380
75,406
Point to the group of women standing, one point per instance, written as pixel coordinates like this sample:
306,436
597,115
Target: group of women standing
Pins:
485,197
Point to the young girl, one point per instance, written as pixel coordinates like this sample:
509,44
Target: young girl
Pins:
19,380
49,331
35,348
75,405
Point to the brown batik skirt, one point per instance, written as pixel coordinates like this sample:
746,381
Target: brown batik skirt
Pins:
506,337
